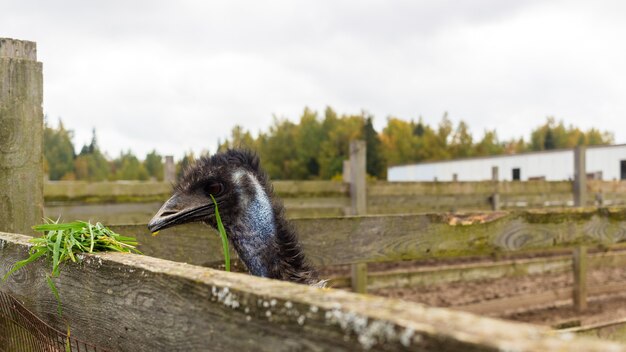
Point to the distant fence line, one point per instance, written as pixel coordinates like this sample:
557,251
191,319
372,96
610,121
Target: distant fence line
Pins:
134,202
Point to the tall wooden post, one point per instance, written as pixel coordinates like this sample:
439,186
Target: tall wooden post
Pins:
495,197
580,278
169,169
357,177
580,176
346,171
346,179
21,136
359,205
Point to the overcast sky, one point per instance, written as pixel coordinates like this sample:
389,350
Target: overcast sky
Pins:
178,75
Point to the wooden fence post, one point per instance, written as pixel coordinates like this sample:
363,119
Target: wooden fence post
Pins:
169,169
495,197
346,179
580,176
357,178
580,278
359,205
21,136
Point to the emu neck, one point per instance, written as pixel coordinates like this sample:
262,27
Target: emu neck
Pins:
256,239
264,240
254,232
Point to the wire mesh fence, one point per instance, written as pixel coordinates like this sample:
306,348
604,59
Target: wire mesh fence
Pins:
22,331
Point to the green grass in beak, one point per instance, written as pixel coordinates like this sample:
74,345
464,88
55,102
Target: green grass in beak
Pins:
222,231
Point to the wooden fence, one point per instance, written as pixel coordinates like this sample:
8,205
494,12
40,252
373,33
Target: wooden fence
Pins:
129,302
126,202
367,239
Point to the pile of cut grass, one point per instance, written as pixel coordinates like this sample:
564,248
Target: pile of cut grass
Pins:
61,241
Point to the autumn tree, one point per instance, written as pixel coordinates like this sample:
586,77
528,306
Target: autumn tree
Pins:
90,164
59,151
154,165
555,135
128,167
375,162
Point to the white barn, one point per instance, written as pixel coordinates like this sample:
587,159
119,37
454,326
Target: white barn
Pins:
603,162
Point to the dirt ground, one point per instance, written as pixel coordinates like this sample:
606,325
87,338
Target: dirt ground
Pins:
600,308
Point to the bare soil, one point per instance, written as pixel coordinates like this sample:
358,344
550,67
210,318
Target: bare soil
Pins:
600,308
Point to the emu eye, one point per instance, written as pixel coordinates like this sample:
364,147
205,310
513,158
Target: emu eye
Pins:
215,188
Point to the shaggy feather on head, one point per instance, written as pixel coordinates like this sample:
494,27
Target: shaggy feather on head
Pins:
254,219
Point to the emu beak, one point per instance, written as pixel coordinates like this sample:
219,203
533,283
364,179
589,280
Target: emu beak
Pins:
180,209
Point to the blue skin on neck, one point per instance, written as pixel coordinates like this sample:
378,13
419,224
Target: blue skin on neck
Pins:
259,237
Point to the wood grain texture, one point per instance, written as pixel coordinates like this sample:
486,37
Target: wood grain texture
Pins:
612,330
358,277
127,302
18,49
21,136
580,264
428,276
361,239
580,176
521,303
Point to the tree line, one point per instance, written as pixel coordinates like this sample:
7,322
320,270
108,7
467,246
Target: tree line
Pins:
315,146
62,163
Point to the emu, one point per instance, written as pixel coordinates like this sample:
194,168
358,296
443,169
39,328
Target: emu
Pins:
252,216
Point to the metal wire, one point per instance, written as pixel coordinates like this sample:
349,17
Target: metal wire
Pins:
23,331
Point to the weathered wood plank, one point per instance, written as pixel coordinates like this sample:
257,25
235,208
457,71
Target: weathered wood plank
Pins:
331,198
106,213
285,188
440,274
358,206
76,190
607,187
21,136
521,303
347,240
380,188
142,212
580,264
128,302
123,191
358,193
580,176
358,277
105,192
612,330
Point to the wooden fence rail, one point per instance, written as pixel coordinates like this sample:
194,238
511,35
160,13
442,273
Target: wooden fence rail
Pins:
127,202
366,239
554,262
129,302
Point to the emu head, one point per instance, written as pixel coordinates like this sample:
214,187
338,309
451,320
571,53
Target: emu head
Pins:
243,194
233,178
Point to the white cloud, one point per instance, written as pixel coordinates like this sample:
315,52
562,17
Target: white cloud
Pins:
178,75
